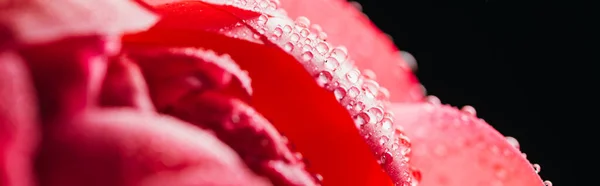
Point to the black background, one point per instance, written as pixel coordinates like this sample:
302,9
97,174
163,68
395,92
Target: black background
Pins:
507,59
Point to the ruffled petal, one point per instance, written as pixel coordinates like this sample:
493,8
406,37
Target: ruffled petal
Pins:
289,97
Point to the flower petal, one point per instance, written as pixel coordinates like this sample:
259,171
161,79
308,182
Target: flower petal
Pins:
247,132
37,21
18,128
455,148
286,95
370,48
177,72
124,86
129,147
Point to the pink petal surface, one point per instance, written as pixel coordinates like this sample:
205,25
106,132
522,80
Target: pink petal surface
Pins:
38,21
373,52
454,148
18,128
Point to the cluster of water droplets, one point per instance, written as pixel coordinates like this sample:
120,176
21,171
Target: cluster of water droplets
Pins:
536,167
358,92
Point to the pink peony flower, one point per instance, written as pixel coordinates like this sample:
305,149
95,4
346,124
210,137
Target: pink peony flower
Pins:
200,92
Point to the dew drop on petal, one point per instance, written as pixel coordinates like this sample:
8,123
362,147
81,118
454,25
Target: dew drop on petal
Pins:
356,5
319,178
434,100
262,20
278,32
537,168
369,74
324,78
547,183
361,118
339,93
469,110
340,53
304,32
383,140
376,112
294,37
513,142
302,22
353,92
307,56
287,29
352,76
331,63
288,47
386,158
322,48
386,124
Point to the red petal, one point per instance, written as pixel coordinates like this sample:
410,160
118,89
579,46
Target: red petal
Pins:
18,128
369,47
177,72
247,132
455,148
124,85
128,147
67,74
36,21
284,93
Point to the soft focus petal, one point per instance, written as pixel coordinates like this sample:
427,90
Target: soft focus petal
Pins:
368,46
124,86
247,132
18,125
128,147
285,94
455,148
37,21
177,72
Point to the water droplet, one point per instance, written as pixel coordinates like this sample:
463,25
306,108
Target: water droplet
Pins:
434,100
262,20
322,35
276,2
324,78
256,36
352,76
288,47
386,158
386,124
263,4
359,106
340,53
278,32
409,59
383,140
304,32
356,5
322,48
307,41
537,168
298,155
371,87
302,22
331,63
369,74
513,142
361,118
469,110
294,37
307,56
548,183
384,93
319,178
316,28
339,93
353,92
287,29
306,48
376,112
